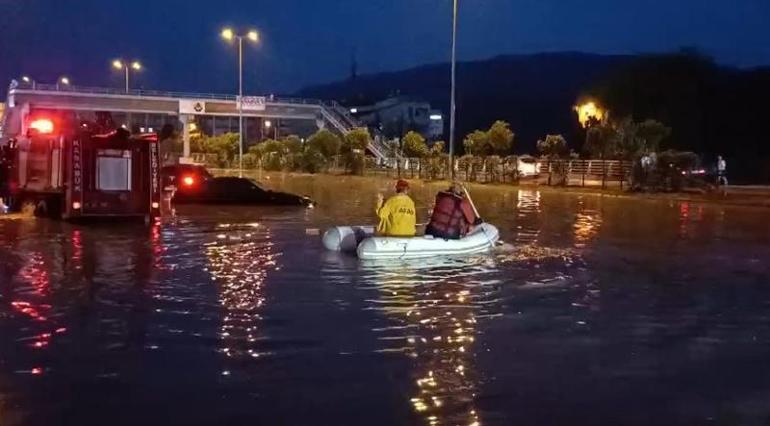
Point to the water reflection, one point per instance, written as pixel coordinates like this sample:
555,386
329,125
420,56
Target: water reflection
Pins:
434,312
527,216
239,259
587,224
55,286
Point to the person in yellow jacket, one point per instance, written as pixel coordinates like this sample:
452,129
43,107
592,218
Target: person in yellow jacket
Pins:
398,217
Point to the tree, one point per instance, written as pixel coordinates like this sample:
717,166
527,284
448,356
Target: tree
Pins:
500,138
601,141
634,140
353,148
325,142
477,143
356,139
653,133
313,160
271,154
438,148
554,147
414,145
225,147
292,144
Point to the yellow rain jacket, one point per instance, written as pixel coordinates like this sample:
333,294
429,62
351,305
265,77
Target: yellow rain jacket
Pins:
397,217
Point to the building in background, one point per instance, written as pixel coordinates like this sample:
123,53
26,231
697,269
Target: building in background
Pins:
397,115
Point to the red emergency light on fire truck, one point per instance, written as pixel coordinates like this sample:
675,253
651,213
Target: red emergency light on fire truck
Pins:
74,169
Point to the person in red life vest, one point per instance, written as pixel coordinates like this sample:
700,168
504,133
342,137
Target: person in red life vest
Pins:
453,216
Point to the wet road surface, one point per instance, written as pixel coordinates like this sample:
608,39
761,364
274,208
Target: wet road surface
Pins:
607,311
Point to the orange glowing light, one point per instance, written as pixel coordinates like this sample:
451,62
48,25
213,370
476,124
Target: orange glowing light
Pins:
188,180
42,125
588,112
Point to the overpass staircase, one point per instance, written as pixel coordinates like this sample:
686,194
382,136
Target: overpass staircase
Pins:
340,119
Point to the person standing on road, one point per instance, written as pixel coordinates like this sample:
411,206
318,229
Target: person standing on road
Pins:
721,172
397,215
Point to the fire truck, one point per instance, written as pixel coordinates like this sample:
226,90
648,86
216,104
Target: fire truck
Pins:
75,169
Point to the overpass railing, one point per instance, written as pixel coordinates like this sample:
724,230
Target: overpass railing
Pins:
152,93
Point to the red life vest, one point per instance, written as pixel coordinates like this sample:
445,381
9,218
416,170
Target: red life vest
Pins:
447,219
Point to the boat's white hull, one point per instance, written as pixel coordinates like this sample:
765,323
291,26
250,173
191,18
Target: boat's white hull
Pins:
360,239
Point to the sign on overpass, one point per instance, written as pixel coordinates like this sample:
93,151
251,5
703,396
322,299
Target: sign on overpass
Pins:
192,106
253,103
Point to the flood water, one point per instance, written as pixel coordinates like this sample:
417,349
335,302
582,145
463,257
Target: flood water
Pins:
607,311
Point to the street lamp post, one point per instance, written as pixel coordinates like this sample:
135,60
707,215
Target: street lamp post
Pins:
452,96
62,81
125,65
253,36
27,80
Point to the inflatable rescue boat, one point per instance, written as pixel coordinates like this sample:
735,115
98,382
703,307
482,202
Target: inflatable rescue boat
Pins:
362,241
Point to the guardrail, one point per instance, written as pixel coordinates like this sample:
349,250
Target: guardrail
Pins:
40,87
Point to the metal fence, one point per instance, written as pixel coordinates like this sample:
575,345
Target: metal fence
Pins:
493,170
507,170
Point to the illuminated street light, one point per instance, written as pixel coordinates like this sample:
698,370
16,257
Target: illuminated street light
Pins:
589,112
62,81
27,80
124,66
230,35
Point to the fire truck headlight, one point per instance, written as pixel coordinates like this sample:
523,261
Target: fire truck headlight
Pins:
76,205
155,205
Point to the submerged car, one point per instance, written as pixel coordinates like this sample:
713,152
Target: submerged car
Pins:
193,184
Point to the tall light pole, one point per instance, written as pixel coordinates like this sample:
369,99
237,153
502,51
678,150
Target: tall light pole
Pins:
62,81
253,36
452,96
120,64
27,80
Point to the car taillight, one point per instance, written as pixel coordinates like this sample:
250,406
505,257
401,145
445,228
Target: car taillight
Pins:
188,180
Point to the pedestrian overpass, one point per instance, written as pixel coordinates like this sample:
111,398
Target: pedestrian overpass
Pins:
177,107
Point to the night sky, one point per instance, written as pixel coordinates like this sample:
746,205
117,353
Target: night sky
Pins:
311,41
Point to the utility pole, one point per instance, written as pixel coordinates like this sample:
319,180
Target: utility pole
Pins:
452,101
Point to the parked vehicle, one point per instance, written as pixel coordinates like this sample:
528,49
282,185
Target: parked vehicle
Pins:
527,166
193,184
